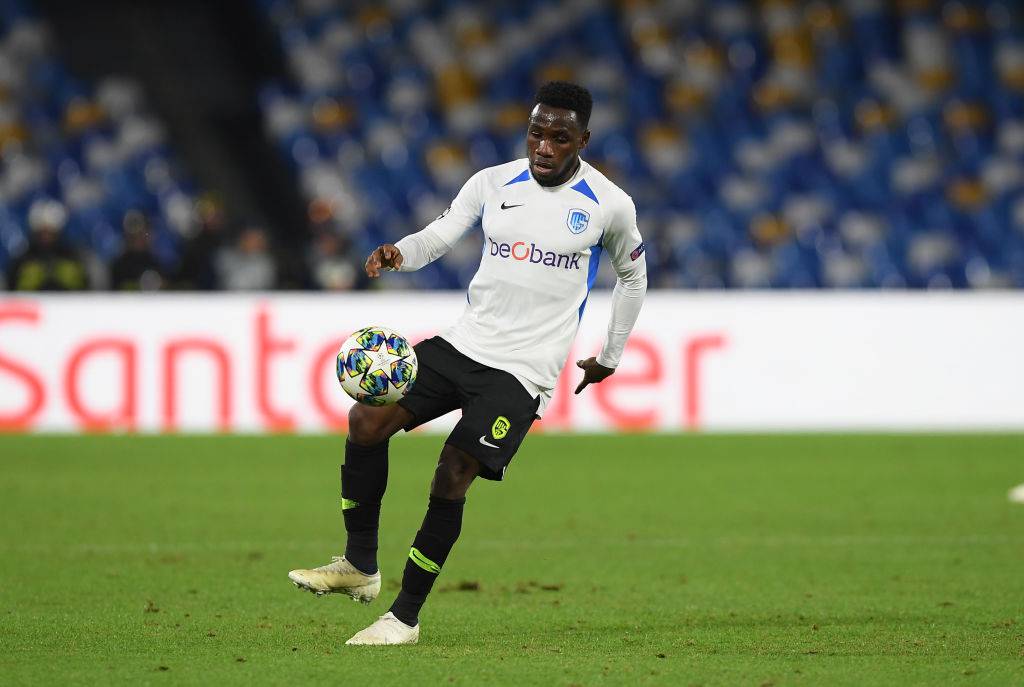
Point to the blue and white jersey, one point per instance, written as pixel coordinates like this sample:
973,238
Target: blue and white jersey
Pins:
542,247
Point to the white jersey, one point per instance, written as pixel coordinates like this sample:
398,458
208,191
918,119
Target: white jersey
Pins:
542,247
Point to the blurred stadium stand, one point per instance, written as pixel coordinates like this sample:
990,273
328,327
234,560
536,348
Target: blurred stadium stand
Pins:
845,144
774,144
79,156
107,104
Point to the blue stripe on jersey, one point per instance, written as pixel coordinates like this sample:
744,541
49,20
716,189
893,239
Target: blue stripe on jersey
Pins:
583,187
595,262
524,176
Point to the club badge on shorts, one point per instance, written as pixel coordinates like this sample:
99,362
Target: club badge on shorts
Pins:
578,220
500,427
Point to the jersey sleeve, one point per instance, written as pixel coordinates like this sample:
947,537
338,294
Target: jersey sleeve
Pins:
625,248
438,237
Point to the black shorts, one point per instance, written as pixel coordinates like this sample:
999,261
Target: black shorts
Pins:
497,410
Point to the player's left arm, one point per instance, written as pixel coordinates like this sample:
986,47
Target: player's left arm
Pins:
625,249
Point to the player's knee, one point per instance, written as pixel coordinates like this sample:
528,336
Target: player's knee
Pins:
368,426
455,472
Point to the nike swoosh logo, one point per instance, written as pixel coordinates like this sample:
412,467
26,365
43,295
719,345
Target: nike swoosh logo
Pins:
487,443
505,206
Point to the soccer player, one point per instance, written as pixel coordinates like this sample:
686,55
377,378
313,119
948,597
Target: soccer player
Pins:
546,220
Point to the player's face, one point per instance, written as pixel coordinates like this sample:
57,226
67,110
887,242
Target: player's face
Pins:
554,139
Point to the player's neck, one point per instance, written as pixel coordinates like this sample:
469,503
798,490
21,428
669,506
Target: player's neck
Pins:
565,177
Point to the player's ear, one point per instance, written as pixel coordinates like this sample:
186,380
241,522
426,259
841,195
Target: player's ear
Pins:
584,139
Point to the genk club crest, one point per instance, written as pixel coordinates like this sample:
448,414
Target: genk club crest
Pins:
578,220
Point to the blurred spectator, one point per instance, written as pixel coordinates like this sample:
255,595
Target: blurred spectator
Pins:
197,270
48,264
332,266
136,268
248,265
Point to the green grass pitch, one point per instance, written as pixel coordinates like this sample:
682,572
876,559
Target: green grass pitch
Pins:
620,560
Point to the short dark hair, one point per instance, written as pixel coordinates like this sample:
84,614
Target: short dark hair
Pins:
568,96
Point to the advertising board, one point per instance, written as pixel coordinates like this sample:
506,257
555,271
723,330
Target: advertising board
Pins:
729,362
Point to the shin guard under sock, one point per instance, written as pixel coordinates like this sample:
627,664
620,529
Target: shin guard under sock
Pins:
364,477
430,549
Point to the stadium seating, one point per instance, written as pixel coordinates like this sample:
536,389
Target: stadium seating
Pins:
95,150
778,144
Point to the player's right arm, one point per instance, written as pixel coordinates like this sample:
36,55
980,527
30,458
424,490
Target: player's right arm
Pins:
437,238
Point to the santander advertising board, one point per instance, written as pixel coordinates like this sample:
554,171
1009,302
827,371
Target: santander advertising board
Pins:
265,363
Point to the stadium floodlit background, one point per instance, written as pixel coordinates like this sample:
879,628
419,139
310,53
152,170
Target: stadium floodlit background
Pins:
832,198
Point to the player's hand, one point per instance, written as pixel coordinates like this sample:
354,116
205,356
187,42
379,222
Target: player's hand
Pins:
593,372
386,257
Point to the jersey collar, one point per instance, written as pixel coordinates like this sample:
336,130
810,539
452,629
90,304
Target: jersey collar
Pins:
580,173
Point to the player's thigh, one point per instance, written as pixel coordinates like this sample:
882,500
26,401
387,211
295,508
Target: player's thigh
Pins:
369,425
494,423
434,393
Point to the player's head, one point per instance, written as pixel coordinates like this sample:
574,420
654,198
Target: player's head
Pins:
557,131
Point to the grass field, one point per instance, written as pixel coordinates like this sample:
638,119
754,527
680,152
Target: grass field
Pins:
749,560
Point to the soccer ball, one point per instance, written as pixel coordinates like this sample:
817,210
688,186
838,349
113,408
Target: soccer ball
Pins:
376,366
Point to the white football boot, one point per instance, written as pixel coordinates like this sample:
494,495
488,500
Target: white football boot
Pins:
1016,494
338,577
386,630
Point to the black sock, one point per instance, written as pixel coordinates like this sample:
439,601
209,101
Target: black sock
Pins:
364,477
430,549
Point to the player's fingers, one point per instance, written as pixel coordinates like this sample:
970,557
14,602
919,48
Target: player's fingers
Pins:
373,265
392,257
581,386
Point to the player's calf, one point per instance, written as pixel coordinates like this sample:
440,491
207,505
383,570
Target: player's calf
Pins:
364,477
441,527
